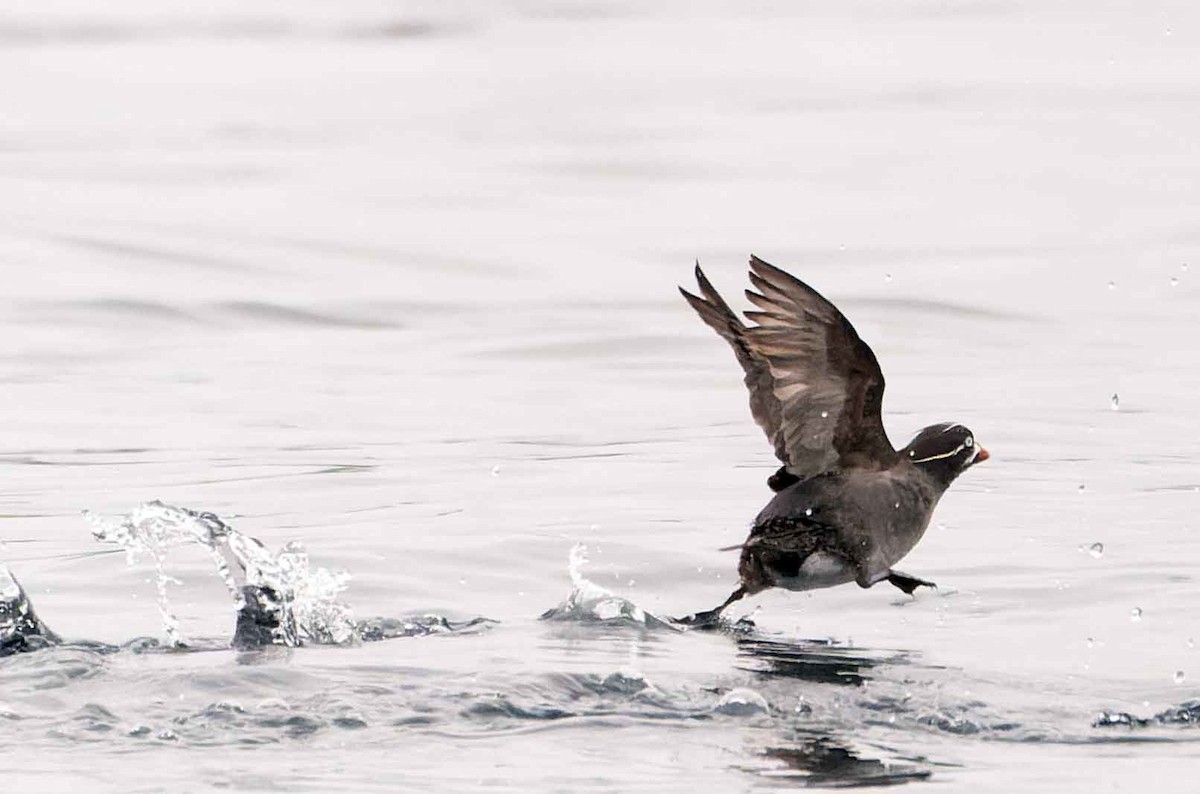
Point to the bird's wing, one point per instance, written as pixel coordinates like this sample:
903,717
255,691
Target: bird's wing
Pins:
815,387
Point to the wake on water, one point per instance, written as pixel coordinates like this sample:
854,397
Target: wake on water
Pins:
281,597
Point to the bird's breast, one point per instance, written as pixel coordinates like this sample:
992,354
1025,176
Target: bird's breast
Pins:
818,570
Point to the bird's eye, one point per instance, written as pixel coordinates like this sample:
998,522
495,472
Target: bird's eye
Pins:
970,442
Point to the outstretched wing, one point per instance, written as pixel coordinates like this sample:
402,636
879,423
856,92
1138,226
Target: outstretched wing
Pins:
815,387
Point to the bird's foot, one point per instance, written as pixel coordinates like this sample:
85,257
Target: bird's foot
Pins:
704,621
908,583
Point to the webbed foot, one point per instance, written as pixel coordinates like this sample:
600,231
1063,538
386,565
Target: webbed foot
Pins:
908,583
711,618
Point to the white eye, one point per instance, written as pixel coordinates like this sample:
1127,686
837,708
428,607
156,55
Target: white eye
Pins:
970,442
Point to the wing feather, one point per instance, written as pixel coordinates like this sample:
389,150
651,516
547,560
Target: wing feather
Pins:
815,387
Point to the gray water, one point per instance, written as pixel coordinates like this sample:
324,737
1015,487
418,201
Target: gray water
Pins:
397,281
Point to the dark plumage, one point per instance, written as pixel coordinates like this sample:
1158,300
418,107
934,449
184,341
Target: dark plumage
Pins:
848,505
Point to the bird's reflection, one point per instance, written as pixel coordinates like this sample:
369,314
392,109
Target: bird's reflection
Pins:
816,661
822,761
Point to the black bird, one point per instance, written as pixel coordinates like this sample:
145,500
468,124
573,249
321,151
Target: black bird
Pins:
848,506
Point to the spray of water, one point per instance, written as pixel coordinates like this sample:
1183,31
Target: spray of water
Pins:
301,601
590,602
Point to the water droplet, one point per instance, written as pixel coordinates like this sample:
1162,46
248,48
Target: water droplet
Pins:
1184,267
887,277
824,414
1091,643
1191,643
495,471
808,511
1135,614
1112,285
897,505
1115,401
462,581
1174,281
1082,487
1179,677
1096,550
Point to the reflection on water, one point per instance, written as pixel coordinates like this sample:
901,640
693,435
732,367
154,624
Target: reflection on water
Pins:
820,762
815,661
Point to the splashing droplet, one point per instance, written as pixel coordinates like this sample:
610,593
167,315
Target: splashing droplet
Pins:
1115,401
1179,677
1135,614
1096,550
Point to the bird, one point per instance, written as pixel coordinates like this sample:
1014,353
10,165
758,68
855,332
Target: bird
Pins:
847,505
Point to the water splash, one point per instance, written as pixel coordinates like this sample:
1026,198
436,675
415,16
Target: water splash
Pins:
1187,713
589,602
742,702
20,629
306,596
281,593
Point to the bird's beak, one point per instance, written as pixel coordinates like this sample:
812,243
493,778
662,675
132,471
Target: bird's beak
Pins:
980,456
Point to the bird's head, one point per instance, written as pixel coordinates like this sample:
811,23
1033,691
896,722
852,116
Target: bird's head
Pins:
944,451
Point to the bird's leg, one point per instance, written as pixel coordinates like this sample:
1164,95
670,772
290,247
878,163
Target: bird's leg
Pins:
908,583
710,618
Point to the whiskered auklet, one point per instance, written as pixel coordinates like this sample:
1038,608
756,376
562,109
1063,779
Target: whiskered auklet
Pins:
847,505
